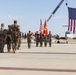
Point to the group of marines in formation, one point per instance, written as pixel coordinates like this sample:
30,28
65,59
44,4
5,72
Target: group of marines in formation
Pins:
40,39
12,37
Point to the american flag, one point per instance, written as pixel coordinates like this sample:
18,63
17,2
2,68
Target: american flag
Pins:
72,20
40,26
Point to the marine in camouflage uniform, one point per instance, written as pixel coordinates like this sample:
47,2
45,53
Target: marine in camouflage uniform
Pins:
37,36
49,38
2,38
45,40
41,39
29,39
15,35
9,38
19,38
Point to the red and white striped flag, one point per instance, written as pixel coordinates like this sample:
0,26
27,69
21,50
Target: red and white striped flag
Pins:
72,20
40,26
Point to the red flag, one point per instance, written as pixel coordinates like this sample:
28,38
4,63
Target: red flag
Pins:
45,29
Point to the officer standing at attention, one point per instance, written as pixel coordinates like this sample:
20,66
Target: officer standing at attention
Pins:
45,40
41,39
2,38
37,36
49,38
29,39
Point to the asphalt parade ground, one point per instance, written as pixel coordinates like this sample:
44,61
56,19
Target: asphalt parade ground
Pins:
60,59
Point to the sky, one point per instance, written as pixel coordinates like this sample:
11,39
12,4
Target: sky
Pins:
29,12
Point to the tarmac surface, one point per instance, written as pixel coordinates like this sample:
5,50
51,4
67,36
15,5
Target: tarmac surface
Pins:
60,59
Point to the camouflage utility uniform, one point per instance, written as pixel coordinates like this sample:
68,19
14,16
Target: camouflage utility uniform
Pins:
9,38
15,35
29,39
2,39
37,38
49,39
